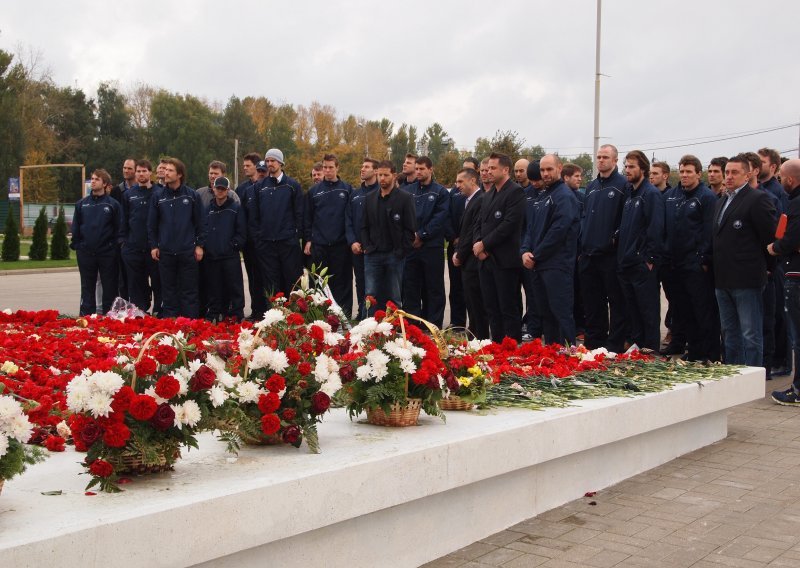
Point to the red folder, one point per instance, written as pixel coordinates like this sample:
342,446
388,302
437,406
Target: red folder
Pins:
781,230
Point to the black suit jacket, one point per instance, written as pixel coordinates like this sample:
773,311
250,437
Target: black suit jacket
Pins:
740,239
401,217
500,227
469,221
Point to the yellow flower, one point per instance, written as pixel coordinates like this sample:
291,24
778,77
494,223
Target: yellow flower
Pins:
475,371
103,339
9,368
464,381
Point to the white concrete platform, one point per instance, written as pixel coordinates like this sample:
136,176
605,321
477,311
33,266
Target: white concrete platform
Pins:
375,496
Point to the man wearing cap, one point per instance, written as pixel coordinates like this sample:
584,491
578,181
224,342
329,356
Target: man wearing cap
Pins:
225,233
246,192
206,194
353,221
325,234
276,225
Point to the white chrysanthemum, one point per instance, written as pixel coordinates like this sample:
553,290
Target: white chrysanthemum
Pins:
326,371
332,338
183,376
194,365
246,341
180,336
99,404
326,327
336,310
248,392
9,408
122,359
63,430
55,371
3,445
271,317
218,396
364,373
138,337
227,380
106,382
20,428
78,393
166,340
478,344
191,414
408,366
178,410
151,391
266,357
378,361
215,363
7,311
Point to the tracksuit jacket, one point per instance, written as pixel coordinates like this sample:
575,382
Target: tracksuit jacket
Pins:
274,209
225,230
135,209
552,229
689,224
354,217
96,224
326,209
175,220
641,229
431,204
602,212
789,246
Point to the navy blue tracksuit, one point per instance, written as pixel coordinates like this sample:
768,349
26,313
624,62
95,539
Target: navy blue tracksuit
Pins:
96,235
532,317
175,226
141,269
423,272
255,283
354,220
552,237
641,234
225,233
324,227
458,304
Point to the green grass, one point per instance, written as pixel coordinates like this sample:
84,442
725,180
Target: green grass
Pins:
34,264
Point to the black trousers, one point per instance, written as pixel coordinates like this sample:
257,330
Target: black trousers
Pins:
674,290
553,291
143,279
179,281
358,272
90,264
225,288
423,284
603,302
476,310
458,304
643,298
693,302
122,278
339,260
769,324
279,264
500,291
783,347
532,319
255,282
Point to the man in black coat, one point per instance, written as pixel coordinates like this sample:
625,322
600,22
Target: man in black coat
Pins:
497,241
387,237
744,224
468,186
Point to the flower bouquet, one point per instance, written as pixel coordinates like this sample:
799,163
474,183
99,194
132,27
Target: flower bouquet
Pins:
135,418
15,430
392,371
468,375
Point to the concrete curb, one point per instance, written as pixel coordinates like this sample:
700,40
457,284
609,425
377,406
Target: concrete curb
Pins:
25,271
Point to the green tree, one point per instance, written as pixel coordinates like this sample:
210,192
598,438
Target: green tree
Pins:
39,245
12,134
398,146
506,142
437,141
238,124
585,162
59,246
115,134
447,168
11,240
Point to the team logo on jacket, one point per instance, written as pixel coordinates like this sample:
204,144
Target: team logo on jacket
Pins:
341,195
186,201
498,214
396,216
610,194
107,209
431,197
636,204
692,205
737,224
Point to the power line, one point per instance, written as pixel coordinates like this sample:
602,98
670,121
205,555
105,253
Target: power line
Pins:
721,139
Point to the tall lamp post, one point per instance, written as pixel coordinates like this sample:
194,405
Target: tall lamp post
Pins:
597,92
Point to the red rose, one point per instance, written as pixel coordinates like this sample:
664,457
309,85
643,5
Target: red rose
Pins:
302,305
333,321
275,383
54,443
143,407
302,384
452,382
90,433
295,319
165,354
116,435
320,402
292,435
122,400
163,418
268,403
289,414
203,379
167,387
145,367
304,368
224,350
347,374
292,355
270,423
101,468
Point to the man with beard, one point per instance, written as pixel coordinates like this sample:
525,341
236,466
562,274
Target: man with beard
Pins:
353,221
716,176
521,173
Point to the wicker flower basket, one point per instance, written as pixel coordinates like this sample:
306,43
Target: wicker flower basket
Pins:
455,402
399,415
262,440
133,464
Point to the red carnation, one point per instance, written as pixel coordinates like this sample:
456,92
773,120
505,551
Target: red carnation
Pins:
370,301
165,354
292,355
333,321
143,407
292,435
145,367
269,403
347,374
317,333
167,387
101,468
379,315
320,402
275,383
295,319
289,414
122,400
304,368
116,435
270,423
302,305
203,379
163,418
54,443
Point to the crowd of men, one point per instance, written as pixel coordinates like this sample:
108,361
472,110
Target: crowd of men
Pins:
592,262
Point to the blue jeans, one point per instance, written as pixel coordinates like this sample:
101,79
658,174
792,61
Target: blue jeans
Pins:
383,276
791,295
741,315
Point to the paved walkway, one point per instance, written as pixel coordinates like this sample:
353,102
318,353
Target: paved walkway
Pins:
734,503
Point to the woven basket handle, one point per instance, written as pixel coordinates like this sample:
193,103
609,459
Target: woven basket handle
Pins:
147,344
436,333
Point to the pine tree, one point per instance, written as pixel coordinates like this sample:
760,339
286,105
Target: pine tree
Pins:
59,247
11,240
39,245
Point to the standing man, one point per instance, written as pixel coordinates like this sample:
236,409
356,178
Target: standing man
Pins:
521,173
744,224
276,226
549,249
472,163
659,176
572,174
96,236
788,248
497,244
387,236
409,173
468,186
324,229
353,221
458,307
716,176
140,267
316,173
597,264
770,164
532,317
175,230
117,192
225,235
246,193
206,194
423,273
641,234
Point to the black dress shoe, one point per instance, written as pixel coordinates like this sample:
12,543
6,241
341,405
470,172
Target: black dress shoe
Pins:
672,349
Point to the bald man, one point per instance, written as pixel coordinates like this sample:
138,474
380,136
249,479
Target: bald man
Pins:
521,173
788,248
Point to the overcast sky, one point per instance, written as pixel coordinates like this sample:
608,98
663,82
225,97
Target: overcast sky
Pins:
678,70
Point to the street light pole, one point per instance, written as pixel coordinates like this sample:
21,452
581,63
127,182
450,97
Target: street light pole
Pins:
597,91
